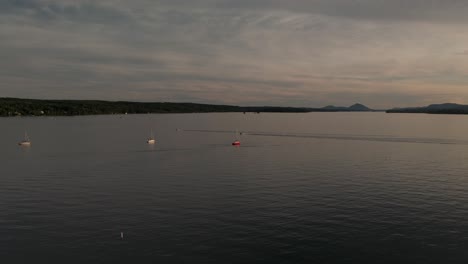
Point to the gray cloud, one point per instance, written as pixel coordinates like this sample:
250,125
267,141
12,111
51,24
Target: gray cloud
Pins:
430,10
295,52
442,10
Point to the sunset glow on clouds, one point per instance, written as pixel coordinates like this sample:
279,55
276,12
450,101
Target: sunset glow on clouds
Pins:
256,52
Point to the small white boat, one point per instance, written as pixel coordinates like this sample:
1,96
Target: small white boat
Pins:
25,141
151,139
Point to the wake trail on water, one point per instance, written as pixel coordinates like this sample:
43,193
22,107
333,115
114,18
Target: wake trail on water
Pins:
373,138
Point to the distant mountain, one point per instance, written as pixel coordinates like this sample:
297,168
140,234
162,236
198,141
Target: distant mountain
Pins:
359,107
447,108
353,108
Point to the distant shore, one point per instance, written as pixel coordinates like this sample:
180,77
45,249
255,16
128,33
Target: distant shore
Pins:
37,107
446,109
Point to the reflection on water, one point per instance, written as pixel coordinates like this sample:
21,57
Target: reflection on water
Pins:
302,188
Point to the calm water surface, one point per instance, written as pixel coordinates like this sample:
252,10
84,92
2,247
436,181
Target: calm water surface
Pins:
302,188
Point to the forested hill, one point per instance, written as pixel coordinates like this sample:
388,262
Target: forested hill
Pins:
447,108
33,107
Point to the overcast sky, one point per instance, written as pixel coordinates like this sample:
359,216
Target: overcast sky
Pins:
382,53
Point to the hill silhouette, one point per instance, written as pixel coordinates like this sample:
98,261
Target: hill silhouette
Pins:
446,108
354,108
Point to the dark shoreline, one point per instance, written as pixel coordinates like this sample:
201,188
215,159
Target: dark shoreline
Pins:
43,107
38,107
438,109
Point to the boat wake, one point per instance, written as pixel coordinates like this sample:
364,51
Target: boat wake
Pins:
374,138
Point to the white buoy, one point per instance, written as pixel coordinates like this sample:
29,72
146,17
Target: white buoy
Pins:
121,235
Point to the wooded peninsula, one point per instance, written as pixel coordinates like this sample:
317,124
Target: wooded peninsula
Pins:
34,107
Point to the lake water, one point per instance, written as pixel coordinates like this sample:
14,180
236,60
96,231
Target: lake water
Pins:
302,188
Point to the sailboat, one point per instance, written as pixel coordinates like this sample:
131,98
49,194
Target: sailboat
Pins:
25,141
151,139
237,141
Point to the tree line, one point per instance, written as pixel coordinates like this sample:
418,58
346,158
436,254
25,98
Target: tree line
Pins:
35,107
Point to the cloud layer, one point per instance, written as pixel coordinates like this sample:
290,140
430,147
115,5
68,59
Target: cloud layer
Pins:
255,52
